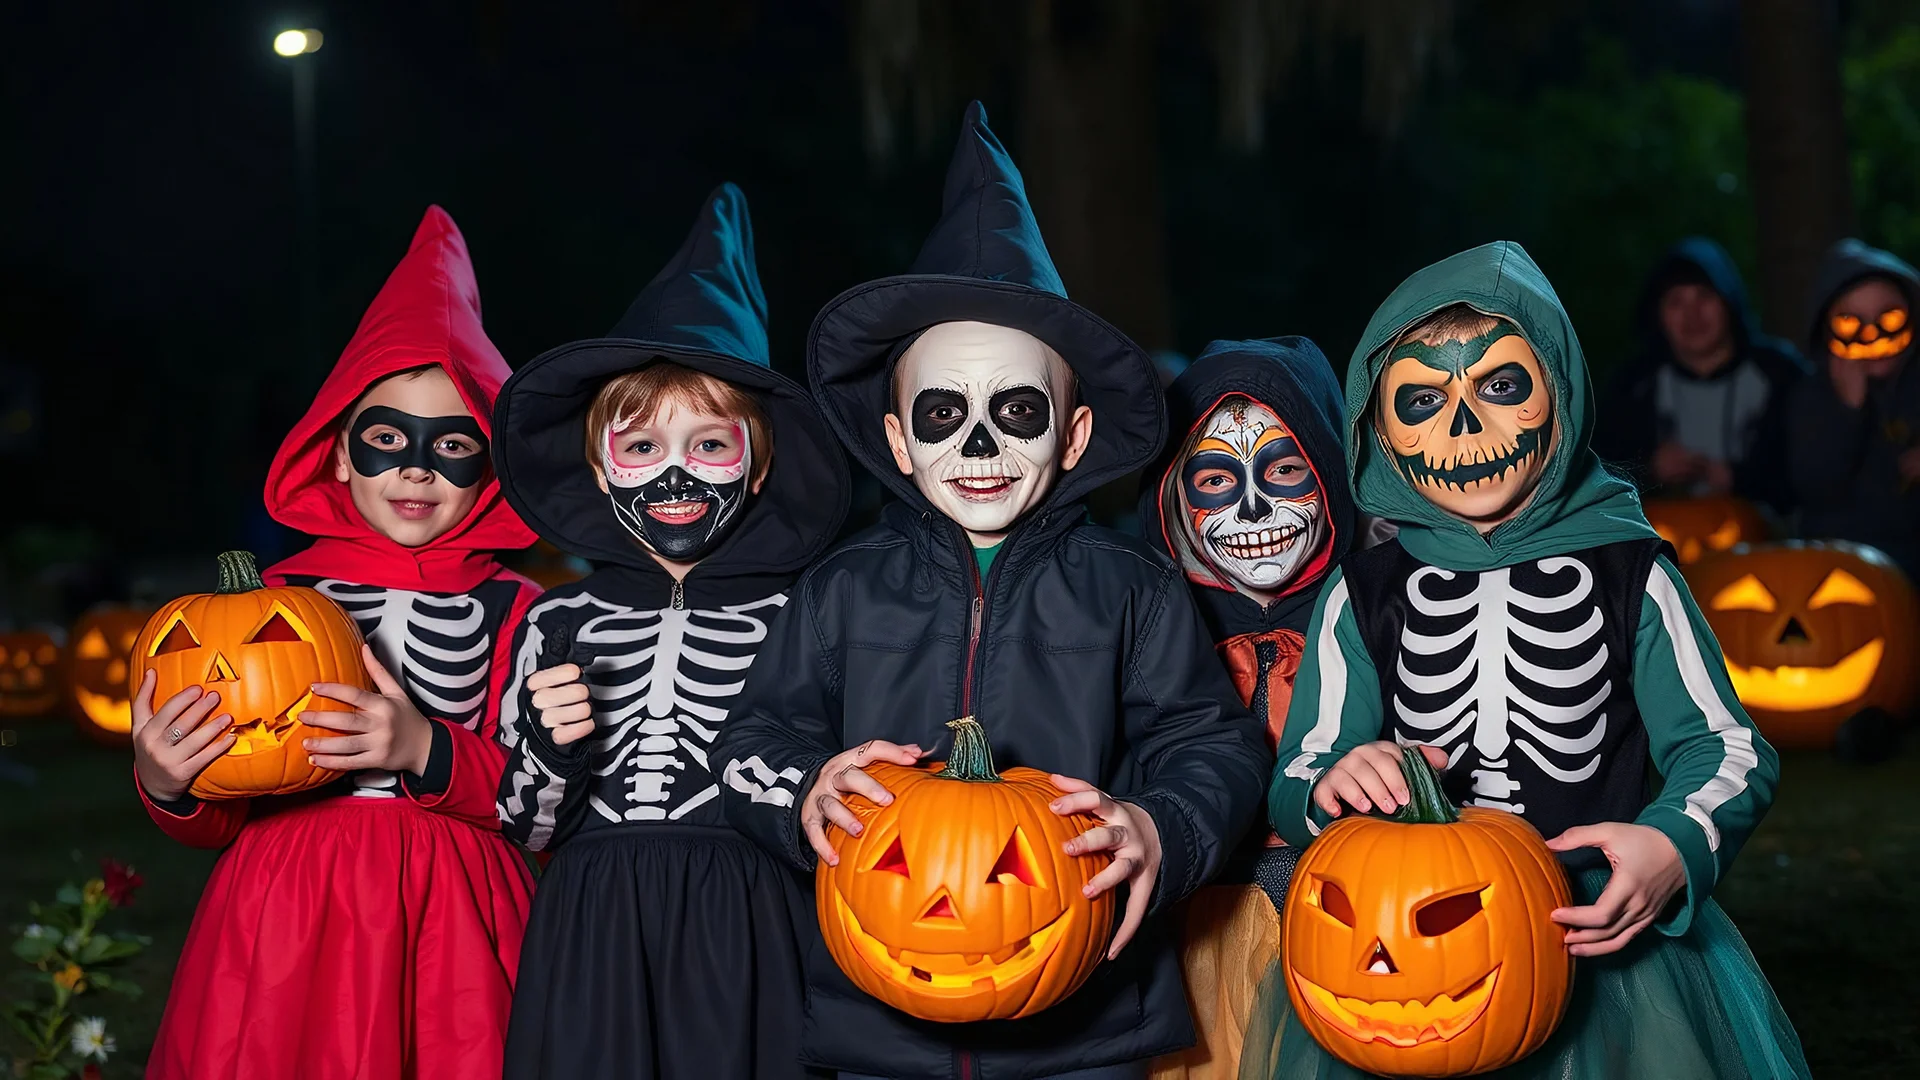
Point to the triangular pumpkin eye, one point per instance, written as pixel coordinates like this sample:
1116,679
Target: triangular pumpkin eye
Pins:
1016,864
893,860
1724,537
178,638
1747,594
1447,913
1840,587
276,628
93,645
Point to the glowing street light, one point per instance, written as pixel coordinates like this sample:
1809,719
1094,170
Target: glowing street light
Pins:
296,42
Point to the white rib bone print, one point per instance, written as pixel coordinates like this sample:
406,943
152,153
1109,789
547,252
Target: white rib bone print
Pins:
1492,700
662,681
437,645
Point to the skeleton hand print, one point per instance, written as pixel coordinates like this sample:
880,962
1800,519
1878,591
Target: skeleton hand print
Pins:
1468,420
1249,510
979,424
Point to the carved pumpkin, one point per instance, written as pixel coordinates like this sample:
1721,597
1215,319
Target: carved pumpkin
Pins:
957,902
29,674
1812,632
97,669
1421,945
1706,525
1854,338
262,649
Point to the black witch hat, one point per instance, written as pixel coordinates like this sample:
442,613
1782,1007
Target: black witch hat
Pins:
984,262
703,311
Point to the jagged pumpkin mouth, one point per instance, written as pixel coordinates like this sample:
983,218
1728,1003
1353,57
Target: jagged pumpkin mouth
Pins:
267,733
954,974
1400,1023
1801,689
105,711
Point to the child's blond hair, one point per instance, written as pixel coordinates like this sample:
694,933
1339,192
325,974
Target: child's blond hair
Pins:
640,394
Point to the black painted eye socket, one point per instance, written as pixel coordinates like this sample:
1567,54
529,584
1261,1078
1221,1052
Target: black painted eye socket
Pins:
1021,412
937,414
1437,917
1418,404
1508,384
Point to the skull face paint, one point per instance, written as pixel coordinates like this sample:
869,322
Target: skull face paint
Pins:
983,421
677,481
1247,504
1469,422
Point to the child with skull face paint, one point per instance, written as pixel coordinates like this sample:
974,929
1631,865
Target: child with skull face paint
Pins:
698,482
1253,505
1528,631
370,928
991,405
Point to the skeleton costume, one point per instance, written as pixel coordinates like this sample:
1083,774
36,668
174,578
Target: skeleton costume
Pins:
1558,660
371,928
662,943
1231,505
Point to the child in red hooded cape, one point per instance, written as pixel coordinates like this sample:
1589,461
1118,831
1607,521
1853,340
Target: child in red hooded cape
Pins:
370,928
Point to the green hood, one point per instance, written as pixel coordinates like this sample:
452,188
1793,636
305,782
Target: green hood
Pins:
1579,504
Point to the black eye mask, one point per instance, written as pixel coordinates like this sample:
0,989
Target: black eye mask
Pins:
422,433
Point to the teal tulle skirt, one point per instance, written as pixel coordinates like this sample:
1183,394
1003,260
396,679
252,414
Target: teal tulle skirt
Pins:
1695,1007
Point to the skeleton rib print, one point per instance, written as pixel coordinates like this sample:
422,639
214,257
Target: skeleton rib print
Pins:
1509,669
662,682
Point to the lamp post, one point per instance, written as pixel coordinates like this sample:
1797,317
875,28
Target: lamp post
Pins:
295,46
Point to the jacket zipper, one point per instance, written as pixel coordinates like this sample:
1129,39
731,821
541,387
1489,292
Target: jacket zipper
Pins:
977,621
679,596
964,1059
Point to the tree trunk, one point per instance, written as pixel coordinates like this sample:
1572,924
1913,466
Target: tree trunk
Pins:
1796,148
1089,149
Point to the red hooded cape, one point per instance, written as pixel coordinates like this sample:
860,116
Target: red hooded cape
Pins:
427,313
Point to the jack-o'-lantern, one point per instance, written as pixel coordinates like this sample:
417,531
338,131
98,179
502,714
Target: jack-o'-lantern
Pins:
99,647
1852,337
1421,945
957,902
1813,632
29,674
262,649
1705,525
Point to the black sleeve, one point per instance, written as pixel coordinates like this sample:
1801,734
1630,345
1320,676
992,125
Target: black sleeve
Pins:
1204,756
1764,474
439,771
1826,439
784,725
543,788
1626,432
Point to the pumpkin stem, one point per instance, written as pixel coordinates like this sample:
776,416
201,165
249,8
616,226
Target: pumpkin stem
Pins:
238,573
972,758
1427,804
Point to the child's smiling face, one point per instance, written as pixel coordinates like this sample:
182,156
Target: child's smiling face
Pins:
412,456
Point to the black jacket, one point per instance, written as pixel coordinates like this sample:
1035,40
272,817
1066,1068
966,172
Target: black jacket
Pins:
1087,656
1632,422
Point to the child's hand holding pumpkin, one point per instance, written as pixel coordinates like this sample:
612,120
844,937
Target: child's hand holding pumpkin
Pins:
384,730
1368,777
1129,833
1646,873
175,744
845,774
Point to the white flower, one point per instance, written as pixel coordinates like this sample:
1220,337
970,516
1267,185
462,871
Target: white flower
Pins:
90,1038
35,930
71,944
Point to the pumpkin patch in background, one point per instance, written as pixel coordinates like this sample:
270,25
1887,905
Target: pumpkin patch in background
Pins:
1813,632
29,674
957,902
1700,527
1421,945
262,648
101,646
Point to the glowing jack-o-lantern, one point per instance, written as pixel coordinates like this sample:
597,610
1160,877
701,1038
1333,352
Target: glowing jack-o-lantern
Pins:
262,649
1813,632
29,674
100,646
1421,945
1706,525
1854,338
957,901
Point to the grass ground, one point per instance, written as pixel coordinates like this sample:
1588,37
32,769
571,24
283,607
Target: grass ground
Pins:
1825,892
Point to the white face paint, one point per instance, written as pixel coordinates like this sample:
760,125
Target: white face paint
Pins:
982,411
1252,514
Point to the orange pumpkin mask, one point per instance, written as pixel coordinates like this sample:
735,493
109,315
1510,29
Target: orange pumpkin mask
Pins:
1812,633
29,669
97,673
1855,338
958,902
1700,527
262,649
1421,945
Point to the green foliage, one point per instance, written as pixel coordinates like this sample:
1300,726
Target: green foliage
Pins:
1881,80
69,956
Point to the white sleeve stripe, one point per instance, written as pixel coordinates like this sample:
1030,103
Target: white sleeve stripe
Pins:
1333,696
1731,778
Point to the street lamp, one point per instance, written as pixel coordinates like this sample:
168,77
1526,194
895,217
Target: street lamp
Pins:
294,45
295,42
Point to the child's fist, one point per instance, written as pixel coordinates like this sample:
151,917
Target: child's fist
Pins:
565,703
1369,776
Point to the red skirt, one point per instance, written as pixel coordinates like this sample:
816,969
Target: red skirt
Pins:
351,937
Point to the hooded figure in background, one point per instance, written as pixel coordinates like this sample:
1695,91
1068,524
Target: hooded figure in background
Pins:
984,602
1527,630
699,482
1251,502
1702,408
1854,438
